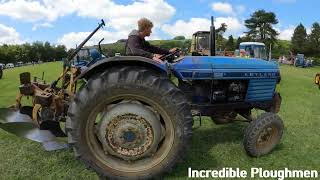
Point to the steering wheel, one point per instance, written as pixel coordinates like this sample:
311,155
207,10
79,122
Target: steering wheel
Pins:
170,57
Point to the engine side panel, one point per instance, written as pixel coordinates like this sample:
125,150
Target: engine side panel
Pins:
261,89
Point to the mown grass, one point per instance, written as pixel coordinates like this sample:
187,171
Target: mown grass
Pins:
212,146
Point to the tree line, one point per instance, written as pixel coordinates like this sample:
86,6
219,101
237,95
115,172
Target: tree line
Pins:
37,51
260,28
308,44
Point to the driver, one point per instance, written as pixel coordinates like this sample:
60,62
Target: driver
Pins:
138,46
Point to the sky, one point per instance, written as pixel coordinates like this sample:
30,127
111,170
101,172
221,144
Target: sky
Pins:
68,22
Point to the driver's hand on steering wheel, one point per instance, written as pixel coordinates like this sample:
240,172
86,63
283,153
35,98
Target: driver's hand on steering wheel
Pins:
173,50
156,57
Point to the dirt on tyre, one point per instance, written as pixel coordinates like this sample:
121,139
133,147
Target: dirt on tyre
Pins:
129,123
263,134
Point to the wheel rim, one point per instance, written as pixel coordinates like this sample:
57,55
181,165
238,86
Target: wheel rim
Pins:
108,154
130,130
267,138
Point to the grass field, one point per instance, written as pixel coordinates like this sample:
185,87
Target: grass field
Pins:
212,146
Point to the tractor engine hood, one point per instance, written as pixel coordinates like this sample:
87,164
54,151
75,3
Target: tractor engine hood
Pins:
216,67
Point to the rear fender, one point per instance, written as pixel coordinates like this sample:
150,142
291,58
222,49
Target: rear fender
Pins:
102,65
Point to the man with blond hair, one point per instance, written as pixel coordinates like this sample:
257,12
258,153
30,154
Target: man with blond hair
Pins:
138,46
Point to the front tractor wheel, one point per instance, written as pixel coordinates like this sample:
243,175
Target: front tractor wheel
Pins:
263,134
129,123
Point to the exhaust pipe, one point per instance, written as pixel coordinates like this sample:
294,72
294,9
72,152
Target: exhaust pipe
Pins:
212,38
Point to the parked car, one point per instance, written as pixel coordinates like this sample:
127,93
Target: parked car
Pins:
9,65
20,63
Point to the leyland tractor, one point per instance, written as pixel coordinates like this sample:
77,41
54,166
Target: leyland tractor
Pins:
131,117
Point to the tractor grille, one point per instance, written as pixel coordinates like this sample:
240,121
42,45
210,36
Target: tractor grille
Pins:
260,89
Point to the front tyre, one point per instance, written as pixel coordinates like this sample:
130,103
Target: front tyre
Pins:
129,123
263,134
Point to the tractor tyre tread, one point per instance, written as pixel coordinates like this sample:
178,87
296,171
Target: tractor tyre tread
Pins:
254,129
131,76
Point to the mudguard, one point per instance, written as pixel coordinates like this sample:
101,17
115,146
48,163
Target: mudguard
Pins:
103,64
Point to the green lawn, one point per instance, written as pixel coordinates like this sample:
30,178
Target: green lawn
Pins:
212,146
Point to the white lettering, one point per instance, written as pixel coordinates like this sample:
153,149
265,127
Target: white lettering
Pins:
314,173
297,173
214,174
202,172
254,171
306,174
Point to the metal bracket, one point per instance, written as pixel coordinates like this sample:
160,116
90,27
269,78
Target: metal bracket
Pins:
197,113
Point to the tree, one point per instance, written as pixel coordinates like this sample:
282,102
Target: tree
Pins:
220,41
299,39
260,26
60,52
239,40
179,38
314,39
230,44
27,53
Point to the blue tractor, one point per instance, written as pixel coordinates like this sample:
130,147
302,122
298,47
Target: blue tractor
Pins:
300,61
86,57
133,117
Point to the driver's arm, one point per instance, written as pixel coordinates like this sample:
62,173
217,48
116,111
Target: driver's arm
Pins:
136,49
156,50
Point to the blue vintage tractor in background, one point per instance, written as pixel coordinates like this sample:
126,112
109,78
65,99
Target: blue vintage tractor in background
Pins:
300,61
87,56
130,120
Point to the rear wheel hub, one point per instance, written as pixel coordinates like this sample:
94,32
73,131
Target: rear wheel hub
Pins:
130,131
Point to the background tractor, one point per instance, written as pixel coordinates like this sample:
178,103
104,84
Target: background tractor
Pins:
130,120
300,61
86,56
200,43
254,50
200,46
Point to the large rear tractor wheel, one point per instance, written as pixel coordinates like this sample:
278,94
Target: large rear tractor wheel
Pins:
263,134
129,123
1,73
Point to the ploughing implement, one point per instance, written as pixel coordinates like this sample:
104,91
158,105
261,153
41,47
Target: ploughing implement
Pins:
42,121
